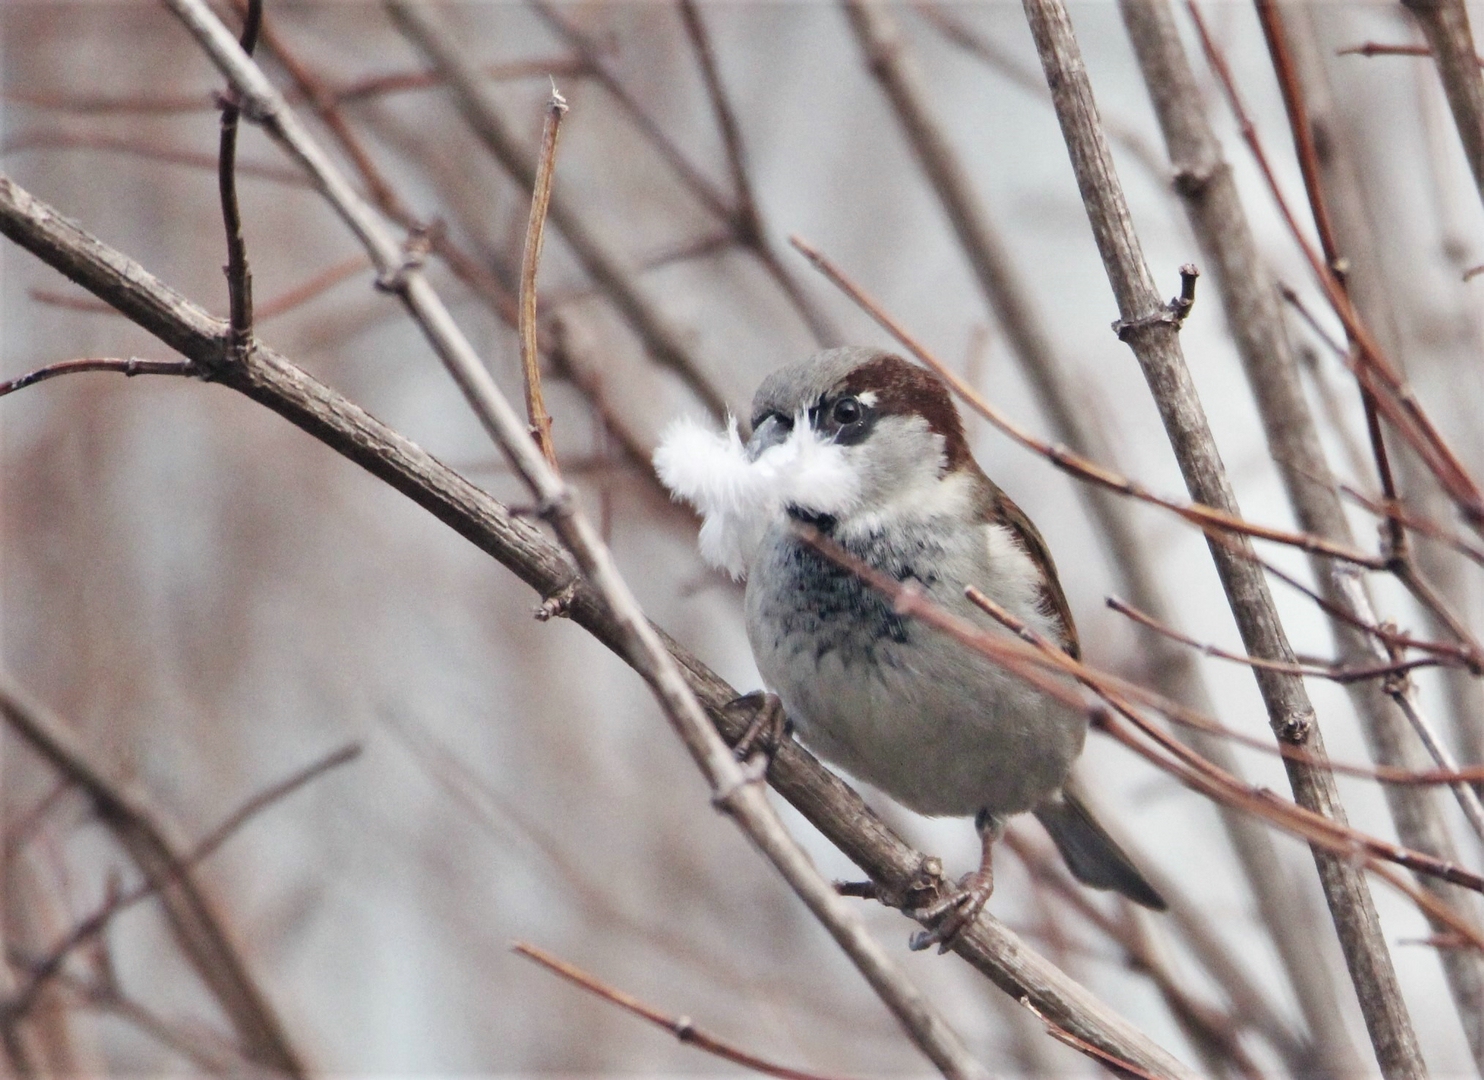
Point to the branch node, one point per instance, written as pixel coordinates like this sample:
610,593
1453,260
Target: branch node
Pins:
556,605
415,250
556,505
1296,728
1191,181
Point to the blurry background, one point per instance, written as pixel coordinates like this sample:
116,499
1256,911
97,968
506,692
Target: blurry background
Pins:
214,600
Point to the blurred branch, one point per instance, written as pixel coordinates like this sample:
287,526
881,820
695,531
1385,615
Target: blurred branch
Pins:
822,798
48,967
1445,24
48,139
945,20
663,344
1157,347
198,929
741,214
681,1027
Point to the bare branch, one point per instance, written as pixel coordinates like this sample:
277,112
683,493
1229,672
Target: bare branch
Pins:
680,1026
132,366
530,357
239,277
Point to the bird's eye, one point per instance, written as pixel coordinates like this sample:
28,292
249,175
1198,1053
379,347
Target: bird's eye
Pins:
846,411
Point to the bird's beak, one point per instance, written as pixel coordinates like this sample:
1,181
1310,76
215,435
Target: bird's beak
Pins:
771,432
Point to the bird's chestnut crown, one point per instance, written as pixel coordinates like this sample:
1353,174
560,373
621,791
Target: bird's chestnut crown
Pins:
846,393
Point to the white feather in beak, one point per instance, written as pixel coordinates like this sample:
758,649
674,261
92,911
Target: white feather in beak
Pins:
739,499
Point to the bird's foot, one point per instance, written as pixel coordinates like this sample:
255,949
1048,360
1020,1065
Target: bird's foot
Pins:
952,913
766,730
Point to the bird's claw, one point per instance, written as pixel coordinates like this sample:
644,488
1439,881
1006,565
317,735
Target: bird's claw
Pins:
948,917
766,730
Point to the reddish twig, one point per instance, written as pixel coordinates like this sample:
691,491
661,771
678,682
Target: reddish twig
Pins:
680,1026
1333,672
530,355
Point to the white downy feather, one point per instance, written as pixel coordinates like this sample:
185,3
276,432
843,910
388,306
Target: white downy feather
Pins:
738,499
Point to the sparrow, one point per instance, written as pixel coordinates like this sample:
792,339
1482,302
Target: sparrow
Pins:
869,449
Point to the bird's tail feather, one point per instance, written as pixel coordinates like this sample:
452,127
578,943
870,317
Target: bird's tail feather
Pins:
1092,855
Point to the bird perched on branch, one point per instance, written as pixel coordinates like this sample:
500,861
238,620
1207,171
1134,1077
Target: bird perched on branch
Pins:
869,450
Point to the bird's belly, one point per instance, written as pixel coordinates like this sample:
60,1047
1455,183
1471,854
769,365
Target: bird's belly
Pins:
942,731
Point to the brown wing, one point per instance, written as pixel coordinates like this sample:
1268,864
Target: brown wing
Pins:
1006,513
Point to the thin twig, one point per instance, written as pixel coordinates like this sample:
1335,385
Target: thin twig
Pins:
1376,48
1334,672
681,1027
132,366
45,139
239,276
307,290
530,356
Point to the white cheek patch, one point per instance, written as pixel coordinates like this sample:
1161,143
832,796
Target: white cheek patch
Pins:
738,498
